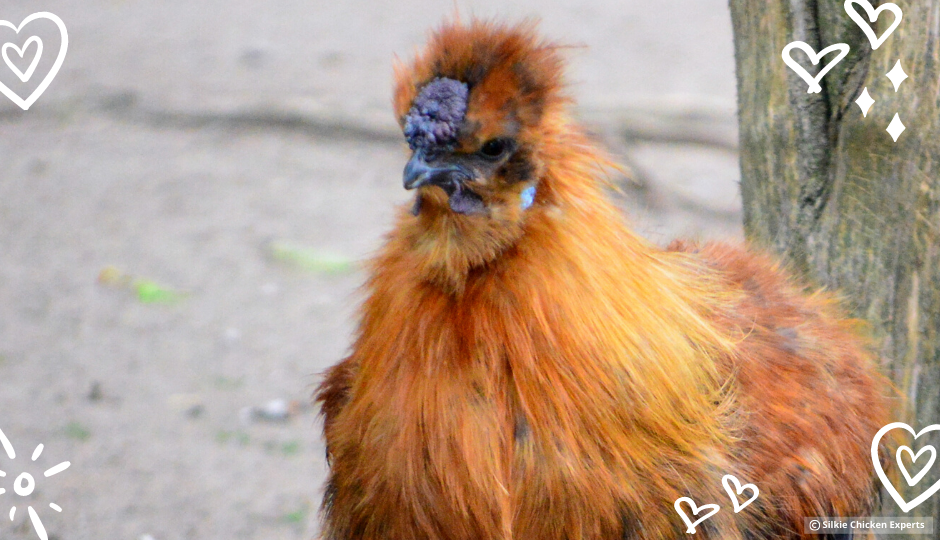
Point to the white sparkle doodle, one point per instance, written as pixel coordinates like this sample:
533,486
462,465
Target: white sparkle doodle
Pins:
865,102
896,127
897,74
25,484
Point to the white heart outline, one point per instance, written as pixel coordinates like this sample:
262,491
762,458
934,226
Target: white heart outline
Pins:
905,506
695,510
726,481
911,481
25,104
873,15
815,57
22,52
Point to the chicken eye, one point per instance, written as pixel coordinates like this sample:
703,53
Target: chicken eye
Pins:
495,148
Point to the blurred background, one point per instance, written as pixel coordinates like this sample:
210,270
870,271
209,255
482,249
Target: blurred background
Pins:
182,213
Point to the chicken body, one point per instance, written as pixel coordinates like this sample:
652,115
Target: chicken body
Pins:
525,367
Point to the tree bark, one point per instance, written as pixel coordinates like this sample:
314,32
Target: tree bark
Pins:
830,191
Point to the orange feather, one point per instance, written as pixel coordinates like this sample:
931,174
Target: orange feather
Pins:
545,373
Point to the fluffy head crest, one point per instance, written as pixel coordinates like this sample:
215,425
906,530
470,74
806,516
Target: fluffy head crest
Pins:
510,77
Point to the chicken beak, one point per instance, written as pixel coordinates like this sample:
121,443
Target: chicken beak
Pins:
452,178
419,173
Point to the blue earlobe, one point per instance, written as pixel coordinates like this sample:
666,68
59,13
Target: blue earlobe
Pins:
527,197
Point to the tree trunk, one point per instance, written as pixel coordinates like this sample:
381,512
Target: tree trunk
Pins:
830,191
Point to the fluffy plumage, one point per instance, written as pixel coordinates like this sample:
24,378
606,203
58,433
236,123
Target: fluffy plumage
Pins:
540,372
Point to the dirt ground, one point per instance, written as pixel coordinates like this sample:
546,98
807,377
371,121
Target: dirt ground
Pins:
182,210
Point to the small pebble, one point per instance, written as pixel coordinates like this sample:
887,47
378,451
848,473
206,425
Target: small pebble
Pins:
192,405
270,289
276,410
254,56
95,394
195,411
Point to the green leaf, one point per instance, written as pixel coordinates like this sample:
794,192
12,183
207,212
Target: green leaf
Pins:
149,292
76,431
309,259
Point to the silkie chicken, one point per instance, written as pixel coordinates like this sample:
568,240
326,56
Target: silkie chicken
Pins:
526,367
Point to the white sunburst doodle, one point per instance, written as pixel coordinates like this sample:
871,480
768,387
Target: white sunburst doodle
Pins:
25,484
